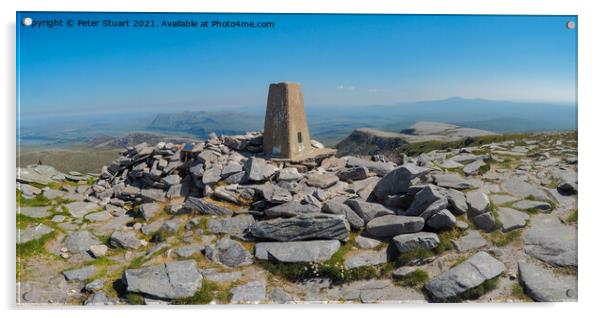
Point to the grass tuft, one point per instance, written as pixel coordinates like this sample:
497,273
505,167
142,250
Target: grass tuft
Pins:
416,278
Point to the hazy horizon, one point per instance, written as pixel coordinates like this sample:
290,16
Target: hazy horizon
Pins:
352,60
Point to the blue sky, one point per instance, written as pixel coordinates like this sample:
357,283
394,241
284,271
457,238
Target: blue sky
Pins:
338,59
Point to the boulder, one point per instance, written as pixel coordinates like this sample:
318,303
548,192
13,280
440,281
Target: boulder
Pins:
292,208
457,201
442,219
258,170
415,241
398,180
423,199
168,281
368,210
229,252
353,174
302,227
148,210
478,203
289,174
465,276
391,225
485,222
544,286
205,207
322,181
366,242
293,252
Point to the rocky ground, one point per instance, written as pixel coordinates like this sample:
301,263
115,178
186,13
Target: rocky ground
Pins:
217,223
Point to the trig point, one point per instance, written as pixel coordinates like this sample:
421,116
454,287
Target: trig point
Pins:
285,133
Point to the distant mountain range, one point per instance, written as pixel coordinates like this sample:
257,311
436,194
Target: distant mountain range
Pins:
329,124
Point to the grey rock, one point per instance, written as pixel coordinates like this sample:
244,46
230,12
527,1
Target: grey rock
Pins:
98,216
303,227
98,298
512,219
80,241
471,241
189,250
212,274
402,272
442,219
94,285
353,174
293,208
250,293
79,209
205,207
27,190
321,180
485,221
499,199
233,226
551,241
379,168
275,194
423,199
545,286
391,225
521,189
528,205
229,252
467,275
478,203
279,296
366,242
151,195
366,258
368,210
457,201
398,180
169,281
52,194
452,181
149,210
80,274
99,250
34,212
125,239
231,168
414,241
293,252
258,170
473,167
450,164
212,175
289,174
33,232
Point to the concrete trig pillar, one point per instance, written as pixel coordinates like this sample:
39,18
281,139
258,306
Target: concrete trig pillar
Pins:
285,133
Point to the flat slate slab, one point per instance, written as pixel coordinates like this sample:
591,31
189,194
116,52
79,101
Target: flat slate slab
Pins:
391,225
469,274
544,286
521,189
169,281
512,219
79,209
35,212
250,293
293,252
366,258
33,233
551,241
